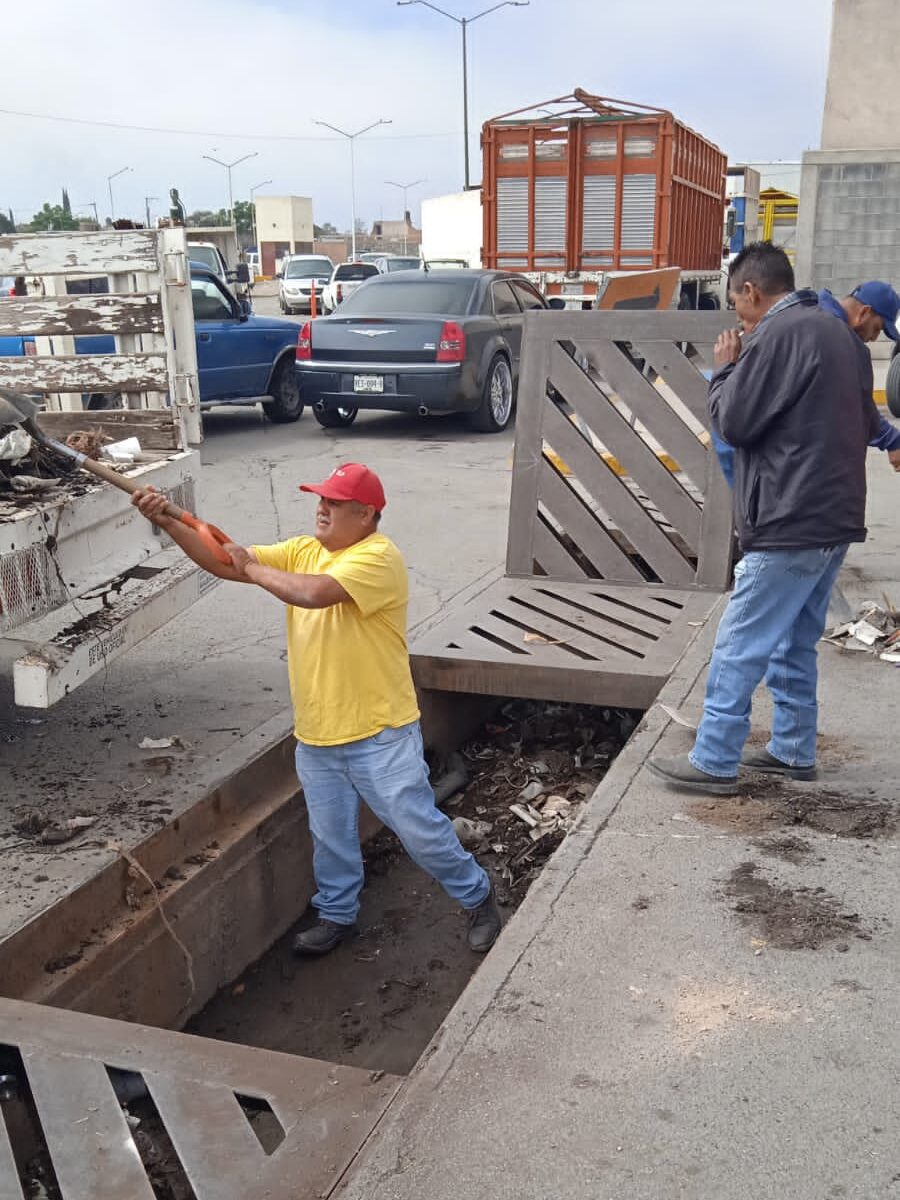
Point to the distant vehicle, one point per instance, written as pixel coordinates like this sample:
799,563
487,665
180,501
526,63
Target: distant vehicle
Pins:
398,262
345,279
299,273
369,256
446,264
208,254
420,342
253,264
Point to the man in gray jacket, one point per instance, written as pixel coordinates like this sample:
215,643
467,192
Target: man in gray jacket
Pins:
794,399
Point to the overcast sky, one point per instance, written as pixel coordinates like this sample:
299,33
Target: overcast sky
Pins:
238,75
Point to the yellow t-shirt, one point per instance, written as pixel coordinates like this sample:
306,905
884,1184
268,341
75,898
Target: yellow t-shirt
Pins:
348,664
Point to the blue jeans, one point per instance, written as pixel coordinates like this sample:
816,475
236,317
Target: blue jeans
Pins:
775,617
389,772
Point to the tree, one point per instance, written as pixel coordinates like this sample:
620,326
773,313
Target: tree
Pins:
7,224
66,205
326,230
205,216
52,216
243,217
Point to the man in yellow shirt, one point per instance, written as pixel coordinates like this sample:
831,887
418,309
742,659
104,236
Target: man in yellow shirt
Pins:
355,708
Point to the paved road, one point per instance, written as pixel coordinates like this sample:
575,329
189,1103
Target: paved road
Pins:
217,673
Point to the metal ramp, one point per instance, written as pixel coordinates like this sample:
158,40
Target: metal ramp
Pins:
620,534
323,1112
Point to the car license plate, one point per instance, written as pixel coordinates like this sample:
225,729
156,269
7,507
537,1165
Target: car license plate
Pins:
368,383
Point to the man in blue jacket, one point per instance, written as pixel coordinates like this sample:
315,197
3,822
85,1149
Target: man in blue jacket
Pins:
870,310
794,398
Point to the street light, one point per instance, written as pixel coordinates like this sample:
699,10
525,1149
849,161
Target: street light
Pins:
404,188
90,204
351,137
109,179
463,23
228,166
255,187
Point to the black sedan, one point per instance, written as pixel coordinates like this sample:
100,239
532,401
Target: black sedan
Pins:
419,342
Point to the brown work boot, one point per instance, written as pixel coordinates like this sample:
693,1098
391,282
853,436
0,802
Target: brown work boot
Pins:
322,937
484,924
680,773
768,764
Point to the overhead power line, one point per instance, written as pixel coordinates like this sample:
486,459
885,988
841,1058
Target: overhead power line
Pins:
208,133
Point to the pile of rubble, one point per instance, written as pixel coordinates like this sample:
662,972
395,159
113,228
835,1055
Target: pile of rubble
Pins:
531,770
874,631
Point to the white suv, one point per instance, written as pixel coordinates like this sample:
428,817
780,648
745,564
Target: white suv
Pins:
298,275
346,279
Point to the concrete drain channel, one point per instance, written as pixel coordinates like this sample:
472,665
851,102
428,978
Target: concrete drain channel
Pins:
284,1066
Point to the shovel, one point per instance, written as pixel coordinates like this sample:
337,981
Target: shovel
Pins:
19,409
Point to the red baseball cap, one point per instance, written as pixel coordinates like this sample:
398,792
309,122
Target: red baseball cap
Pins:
350,481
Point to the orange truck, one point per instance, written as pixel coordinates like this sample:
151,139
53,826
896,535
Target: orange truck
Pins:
578,190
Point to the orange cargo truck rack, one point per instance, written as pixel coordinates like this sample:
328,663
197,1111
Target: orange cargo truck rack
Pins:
588,183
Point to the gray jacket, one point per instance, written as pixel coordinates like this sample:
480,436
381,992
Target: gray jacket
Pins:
797,406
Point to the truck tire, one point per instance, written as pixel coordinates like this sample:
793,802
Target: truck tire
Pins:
286,404
892,385
335,418
497,397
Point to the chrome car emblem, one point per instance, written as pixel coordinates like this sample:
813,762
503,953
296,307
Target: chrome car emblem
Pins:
372,332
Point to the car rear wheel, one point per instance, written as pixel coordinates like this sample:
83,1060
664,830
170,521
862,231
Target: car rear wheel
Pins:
892,385
286,403
495,410
335,418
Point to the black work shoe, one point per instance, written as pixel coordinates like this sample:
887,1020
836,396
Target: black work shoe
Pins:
768,764
484,924
681,773
322,937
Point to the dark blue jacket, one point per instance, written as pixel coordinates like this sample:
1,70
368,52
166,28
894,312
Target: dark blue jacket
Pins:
797,406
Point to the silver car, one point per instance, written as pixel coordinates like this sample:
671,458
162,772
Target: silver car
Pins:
300,273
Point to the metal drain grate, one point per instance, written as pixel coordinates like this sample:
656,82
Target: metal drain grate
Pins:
68,1068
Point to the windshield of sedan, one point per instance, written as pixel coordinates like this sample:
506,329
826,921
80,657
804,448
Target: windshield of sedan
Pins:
432,296
297,268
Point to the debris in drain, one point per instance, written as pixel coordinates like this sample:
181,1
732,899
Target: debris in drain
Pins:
789,918
875,630
532,769
412,936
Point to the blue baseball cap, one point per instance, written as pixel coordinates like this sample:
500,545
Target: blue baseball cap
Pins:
882,299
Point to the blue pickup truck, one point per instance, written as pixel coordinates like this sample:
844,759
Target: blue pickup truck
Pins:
241,358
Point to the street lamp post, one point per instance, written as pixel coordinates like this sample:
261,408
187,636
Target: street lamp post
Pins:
404,188
91,204
255,187
109,179
228,172
464,23
351,138
147,200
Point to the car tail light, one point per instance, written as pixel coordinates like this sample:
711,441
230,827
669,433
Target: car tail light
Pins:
304,342
451,343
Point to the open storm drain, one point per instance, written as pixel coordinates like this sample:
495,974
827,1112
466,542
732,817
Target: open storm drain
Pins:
376,1001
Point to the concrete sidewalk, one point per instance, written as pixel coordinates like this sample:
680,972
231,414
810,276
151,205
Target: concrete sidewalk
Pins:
633,1036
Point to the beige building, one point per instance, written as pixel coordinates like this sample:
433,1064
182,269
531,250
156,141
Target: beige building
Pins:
849,221
284,225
